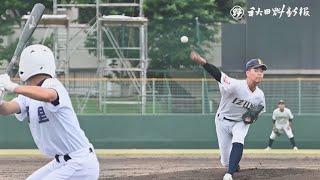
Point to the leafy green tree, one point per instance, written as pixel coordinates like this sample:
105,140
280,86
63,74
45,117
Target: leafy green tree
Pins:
11,12
169,20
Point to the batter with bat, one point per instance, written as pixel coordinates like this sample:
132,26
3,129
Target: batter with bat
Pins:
282,122
241,102
54,126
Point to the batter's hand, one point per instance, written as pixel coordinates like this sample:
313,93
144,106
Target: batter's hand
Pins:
6,83
197,58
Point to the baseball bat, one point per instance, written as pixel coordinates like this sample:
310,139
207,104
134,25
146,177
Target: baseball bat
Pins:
27,31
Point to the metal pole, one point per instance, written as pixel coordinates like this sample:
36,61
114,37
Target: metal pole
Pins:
55,6
197,30
153,96
203,96
55,33
299,99
99,43
169,95
67,65
143,74
141,8
143,61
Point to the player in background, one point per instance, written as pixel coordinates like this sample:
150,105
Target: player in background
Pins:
54,126
282,121
236,97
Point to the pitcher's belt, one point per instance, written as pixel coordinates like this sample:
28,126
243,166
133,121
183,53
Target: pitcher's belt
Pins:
229,119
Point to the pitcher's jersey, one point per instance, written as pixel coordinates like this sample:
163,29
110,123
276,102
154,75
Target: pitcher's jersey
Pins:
282,117
54,128
236,98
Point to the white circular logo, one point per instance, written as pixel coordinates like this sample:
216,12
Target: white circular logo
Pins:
237,12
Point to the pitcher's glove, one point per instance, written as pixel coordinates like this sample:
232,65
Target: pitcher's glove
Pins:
252,114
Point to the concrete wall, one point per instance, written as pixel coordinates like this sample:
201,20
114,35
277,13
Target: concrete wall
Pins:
284,43
164,131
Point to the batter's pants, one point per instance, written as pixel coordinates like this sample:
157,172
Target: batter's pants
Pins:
83,165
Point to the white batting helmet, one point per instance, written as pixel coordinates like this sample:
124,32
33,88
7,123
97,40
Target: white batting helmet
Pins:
36,59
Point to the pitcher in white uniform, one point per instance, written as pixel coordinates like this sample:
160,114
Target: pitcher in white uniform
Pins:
282,122
236,97
46,105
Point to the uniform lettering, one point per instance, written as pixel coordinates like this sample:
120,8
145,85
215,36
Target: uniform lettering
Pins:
242,103
251,105
239,102
42,116
234,100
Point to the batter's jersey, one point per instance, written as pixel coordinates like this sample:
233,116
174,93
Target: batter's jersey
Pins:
236,98
282,117
54,128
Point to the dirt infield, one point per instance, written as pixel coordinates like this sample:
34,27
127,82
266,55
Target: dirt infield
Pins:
184,167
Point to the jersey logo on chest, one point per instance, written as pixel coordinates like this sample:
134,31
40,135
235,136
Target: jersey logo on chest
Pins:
242,103
42,115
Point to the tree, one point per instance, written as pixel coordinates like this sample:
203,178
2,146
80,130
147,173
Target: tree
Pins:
169,20
11,12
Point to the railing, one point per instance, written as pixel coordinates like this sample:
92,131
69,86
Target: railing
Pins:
184,96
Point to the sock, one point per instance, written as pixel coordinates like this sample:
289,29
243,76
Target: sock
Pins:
270,142
293,142
235,157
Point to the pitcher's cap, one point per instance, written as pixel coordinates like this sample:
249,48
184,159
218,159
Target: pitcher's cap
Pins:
255,63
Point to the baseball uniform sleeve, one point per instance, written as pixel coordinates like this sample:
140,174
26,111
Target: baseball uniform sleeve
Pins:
263,103
290,114
61,92
213,71
21,100
227,84
274,114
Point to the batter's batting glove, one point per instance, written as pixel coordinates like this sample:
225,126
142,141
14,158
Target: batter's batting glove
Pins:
6,83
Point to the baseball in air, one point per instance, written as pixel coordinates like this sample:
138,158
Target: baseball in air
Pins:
184,39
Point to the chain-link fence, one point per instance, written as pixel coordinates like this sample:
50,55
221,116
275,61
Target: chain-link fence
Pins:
182,96
302,95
